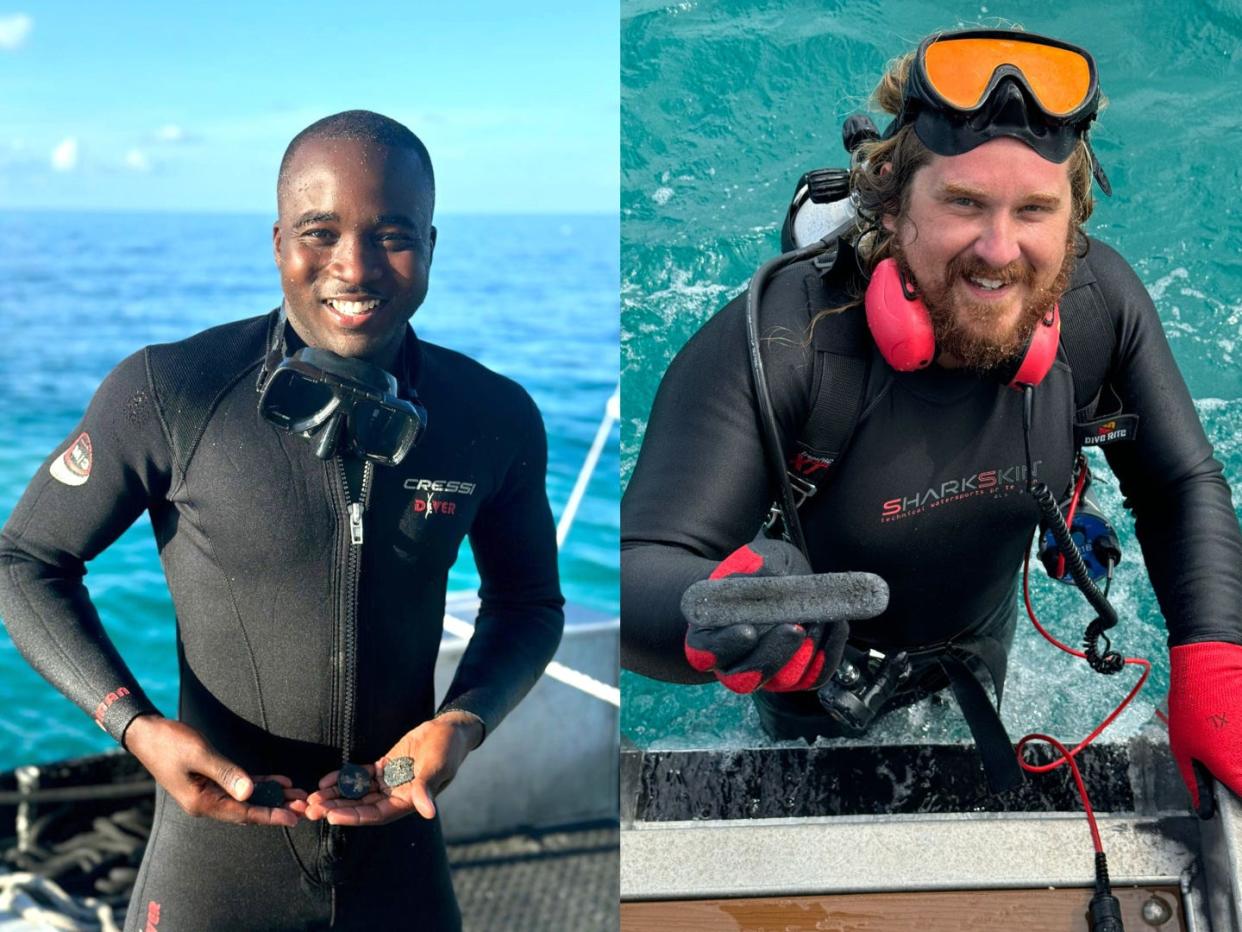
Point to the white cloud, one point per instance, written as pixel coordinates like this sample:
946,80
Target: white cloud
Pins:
65,155
13,30
170,132
136,160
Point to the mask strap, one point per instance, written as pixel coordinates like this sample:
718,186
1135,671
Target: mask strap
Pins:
275,349
1097,170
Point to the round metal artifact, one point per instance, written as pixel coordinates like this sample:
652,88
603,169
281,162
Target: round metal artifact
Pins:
399,770
267,793
353,782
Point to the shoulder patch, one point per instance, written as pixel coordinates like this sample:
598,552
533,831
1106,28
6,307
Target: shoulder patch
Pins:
73,467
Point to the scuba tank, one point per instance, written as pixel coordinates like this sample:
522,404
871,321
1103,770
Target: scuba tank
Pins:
821,208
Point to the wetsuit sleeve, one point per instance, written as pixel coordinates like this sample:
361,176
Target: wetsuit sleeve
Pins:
700,488
112,466
1184,516
520,616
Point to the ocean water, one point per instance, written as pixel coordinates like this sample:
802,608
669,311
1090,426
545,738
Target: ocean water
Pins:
533,297
726,103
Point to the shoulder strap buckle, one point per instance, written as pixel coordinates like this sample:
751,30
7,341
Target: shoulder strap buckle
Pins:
802,490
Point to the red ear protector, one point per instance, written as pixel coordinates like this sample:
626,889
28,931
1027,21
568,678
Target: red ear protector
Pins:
902,330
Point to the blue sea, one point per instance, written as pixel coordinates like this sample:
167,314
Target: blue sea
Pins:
533,297
725,103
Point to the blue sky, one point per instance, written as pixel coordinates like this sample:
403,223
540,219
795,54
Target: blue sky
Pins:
169,106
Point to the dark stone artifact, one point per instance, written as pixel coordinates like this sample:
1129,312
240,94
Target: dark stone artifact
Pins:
267,793
353,781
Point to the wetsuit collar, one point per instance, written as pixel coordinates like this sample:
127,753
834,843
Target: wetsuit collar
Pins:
282,341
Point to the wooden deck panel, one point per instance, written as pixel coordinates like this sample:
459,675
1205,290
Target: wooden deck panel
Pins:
1059,910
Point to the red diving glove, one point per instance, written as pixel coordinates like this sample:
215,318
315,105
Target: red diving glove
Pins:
763,620
1205,717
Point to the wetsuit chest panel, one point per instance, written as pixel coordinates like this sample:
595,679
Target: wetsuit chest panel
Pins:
419,514
252,544
931,495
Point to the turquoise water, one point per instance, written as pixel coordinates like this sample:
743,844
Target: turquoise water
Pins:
532,297
725,104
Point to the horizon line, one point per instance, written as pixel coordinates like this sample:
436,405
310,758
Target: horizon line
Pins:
256,213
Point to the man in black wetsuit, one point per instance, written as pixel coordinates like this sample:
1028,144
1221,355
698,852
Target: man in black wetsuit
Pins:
970,207
309,581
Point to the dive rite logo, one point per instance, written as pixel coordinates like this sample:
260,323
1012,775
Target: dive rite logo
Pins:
1114,429
1109,431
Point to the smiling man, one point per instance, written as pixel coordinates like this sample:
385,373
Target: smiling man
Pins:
310,475
932,381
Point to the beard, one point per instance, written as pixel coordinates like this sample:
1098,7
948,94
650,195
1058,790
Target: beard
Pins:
967,329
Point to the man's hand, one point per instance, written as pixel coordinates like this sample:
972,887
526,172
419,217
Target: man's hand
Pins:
437,748
1205,717
763,620
202,781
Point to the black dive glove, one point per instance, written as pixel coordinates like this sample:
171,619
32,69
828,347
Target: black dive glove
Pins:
762,619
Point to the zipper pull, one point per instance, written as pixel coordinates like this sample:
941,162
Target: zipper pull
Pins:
355,523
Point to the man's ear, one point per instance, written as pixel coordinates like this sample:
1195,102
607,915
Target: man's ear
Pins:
431,247
276,242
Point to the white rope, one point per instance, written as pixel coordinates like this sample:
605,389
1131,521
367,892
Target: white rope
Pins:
556,670
44,904
612,413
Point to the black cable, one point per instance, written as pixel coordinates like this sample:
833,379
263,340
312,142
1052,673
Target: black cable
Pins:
1104,911
767,420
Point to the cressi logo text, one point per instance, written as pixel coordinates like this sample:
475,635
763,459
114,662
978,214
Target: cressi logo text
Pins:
448,486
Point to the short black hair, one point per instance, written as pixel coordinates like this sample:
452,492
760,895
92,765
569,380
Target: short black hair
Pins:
363,125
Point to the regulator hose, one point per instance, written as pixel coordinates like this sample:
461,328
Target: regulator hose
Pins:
767,419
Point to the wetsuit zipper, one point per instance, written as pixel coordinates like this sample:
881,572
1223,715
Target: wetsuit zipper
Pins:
354,513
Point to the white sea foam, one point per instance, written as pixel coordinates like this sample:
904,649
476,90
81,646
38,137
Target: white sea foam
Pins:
1162,284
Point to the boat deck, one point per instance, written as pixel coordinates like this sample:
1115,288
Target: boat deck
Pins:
559,879
840,837
562,878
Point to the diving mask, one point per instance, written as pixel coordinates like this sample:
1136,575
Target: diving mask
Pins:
322,396
966,88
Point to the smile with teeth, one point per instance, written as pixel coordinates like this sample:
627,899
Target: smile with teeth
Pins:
987,284
353,308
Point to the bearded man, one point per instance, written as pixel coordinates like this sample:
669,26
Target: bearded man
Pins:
890,364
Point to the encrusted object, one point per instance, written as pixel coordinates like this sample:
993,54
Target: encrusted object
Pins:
399,770
353,782
267,793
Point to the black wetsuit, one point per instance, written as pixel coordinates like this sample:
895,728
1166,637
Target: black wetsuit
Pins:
297,647
930,493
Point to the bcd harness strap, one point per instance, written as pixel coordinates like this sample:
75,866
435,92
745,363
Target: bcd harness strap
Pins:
845,361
